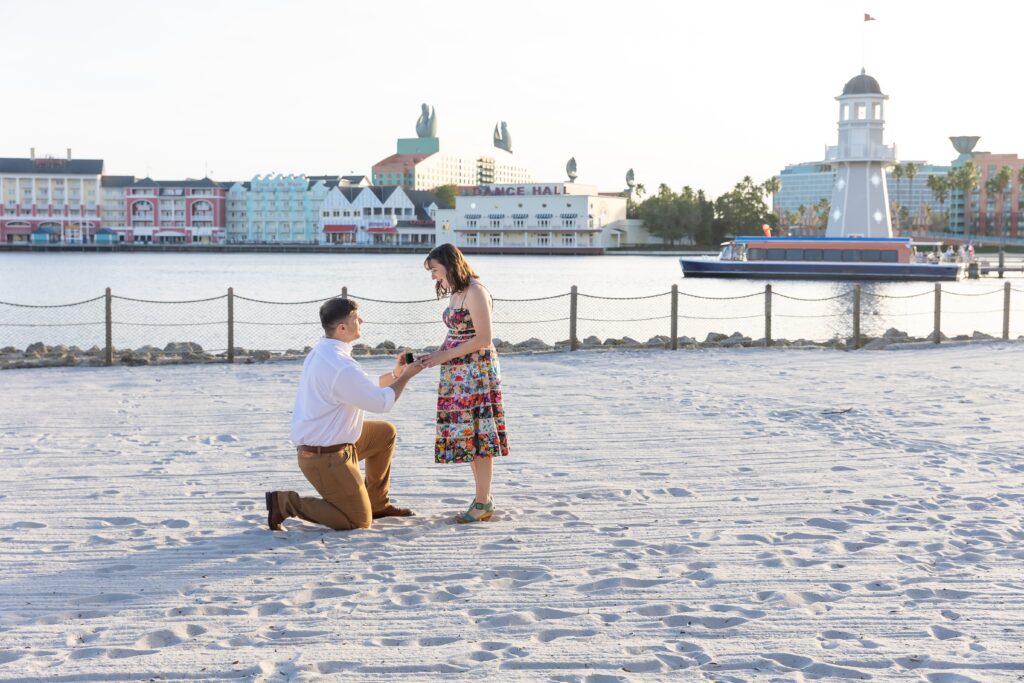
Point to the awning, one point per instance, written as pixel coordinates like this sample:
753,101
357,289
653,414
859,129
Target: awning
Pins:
339,228
568,215
494,216
545,215
472,215
383,231
520,215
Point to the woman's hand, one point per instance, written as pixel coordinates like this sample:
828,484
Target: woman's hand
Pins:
435,358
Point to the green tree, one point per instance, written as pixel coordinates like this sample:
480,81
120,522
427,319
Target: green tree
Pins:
742,210
910,172
659,215
997,184
939,186
965,179
771,188
897,175
821,211
446,195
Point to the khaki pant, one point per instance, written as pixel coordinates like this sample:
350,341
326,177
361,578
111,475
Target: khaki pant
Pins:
348,502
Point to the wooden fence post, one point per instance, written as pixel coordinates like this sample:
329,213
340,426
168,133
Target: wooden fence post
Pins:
767,315
938,312
856,316
231,324
675,318
1002,262
574,343
1006,310
109,358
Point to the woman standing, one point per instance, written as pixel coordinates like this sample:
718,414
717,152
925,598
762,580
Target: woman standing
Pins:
470,414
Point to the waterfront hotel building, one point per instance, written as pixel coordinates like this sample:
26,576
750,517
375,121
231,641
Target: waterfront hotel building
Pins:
420,164
378,216
551,218
46,199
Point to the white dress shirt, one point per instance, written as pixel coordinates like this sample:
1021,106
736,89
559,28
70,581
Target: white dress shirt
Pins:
333,393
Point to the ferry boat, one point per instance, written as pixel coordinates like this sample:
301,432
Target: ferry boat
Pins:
822,258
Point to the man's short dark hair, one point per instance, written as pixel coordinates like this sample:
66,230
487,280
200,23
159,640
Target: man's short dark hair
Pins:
333,311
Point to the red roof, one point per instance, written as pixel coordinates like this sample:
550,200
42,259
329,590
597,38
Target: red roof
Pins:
339,228
388,231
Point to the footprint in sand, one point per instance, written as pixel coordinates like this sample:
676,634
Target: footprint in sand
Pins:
168,637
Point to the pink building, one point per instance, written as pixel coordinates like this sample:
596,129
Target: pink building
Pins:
173,212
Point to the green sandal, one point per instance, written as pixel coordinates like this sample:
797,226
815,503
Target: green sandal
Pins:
467,516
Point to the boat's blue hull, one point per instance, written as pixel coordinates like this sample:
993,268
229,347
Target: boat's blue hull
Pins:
819,270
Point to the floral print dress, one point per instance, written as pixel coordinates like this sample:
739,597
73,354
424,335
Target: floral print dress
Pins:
470,414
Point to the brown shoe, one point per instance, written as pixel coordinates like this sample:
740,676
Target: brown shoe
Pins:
392,511
274,516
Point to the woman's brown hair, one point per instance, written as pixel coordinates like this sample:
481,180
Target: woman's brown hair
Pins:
459,272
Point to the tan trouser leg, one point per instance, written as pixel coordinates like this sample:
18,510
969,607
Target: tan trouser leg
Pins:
375,447
336,477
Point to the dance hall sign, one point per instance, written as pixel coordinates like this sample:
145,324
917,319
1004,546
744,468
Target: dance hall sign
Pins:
514,190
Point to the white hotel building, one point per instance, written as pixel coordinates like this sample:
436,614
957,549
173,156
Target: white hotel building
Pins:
378,215
553,218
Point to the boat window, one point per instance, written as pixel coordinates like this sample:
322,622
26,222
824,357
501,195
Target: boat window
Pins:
867,255
755,254
890,256
776,254
814,254
794,254
851,255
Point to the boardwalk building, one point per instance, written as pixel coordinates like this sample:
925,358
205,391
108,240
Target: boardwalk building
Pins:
561,218
43,199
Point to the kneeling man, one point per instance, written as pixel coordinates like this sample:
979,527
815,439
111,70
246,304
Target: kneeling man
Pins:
331,436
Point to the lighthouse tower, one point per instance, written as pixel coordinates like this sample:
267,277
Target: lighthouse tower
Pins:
860,200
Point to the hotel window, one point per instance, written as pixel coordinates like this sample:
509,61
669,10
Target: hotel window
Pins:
519,223
568,240
471,224
876,110
495,223
861,111
543,240
544,223
471,240
495,240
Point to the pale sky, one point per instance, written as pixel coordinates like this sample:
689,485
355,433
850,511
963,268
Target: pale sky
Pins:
686,93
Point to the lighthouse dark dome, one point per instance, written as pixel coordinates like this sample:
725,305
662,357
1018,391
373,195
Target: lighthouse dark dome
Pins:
862,84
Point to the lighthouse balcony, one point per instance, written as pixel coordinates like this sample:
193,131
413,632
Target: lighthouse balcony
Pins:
861,153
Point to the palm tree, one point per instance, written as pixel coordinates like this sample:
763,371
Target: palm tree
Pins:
965,179
910,172
821,209
897,175
640,190
772,186
939,185
997,184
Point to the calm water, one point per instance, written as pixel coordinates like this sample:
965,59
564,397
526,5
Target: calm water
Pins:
47,279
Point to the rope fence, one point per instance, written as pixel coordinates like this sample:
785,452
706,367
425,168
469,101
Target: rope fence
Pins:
231,326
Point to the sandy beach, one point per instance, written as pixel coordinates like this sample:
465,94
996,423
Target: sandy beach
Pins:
719,515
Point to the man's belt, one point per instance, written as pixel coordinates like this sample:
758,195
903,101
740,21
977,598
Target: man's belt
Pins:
324,450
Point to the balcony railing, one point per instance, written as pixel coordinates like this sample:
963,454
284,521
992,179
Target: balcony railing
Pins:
869,152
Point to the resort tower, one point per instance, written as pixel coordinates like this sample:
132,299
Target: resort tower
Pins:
860,200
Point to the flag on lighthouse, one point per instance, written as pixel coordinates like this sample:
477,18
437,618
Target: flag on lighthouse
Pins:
868,17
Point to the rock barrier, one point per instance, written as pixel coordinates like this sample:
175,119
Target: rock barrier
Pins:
39,355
